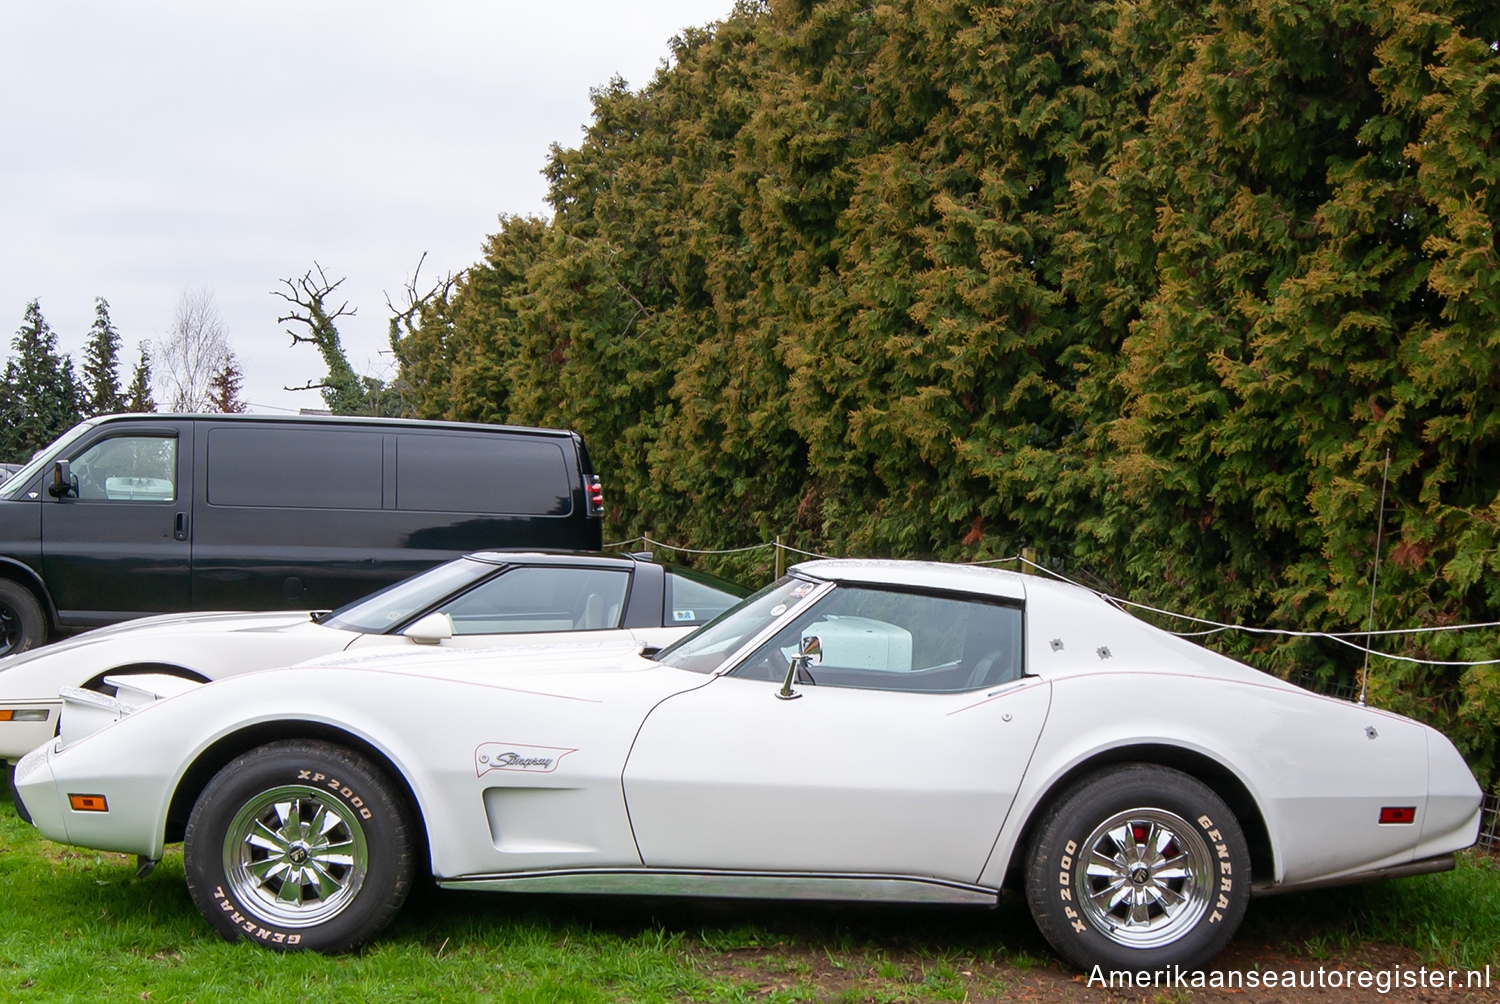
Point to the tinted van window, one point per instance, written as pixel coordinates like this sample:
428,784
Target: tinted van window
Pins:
489,474
128,469
294,467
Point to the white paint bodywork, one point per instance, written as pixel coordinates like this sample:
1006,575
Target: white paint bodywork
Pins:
564,768
215,646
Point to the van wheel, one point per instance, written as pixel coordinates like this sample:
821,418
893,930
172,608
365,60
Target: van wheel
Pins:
22,623
299,845
1138,867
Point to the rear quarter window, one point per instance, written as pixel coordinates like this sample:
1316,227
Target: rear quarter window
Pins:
482,474
694,598
294,467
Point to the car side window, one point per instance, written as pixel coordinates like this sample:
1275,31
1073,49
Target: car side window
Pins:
128,469
881,639
536,599
694,599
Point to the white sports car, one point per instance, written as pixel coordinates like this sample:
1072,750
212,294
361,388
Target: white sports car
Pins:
859,730
488,599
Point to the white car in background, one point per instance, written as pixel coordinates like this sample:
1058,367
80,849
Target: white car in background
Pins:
859,730
481,600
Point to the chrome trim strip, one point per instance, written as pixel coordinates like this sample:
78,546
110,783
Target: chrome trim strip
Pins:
740,655
1427,866
834,887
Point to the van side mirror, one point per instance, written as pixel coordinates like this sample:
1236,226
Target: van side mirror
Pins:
431,630
64,483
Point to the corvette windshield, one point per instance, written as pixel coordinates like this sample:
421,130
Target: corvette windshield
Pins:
389,607
705,649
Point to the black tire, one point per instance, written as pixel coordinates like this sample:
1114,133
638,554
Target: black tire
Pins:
23,624
1207,889
337,906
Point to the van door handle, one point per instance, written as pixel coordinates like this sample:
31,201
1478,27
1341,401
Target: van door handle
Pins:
180,526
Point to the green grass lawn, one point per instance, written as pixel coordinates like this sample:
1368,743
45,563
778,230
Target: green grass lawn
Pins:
78,926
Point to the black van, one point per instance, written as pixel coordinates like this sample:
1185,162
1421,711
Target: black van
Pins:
129,515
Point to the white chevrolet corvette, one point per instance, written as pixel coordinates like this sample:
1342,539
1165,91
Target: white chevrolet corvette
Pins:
482,600
859,730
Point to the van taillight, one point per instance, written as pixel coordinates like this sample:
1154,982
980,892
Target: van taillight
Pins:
596,495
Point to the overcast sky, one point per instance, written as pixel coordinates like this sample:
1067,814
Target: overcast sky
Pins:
153,147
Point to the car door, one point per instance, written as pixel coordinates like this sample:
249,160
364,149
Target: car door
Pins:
119,545
900,754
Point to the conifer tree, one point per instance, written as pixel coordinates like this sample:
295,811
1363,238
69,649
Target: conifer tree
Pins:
1151,288
139,396
224,389
42,397
101,364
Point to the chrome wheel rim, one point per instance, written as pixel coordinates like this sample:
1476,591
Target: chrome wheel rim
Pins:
295,856
1146,878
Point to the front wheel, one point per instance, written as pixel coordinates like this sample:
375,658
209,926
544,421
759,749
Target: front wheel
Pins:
23,624
299,844
1138,867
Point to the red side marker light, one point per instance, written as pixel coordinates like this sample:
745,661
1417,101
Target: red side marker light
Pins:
1398,814
88,803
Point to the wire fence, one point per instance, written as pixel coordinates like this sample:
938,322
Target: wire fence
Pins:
1489,825
1328,688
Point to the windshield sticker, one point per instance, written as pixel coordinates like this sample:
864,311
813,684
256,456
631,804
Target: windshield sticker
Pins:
517,756
802,590
682,615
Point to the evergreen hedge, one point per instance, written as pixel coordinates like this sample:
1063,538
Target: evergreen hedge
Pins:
1149,286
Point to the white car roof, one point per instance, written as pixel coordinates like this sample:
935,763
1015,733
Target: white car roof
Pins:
922,574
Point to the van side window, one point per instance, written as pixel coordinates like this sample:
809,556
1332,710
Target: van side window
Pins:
128,469
482,473
294,467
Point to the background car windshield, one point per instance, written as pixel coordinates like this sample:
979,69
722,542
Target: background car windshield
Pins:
884,639
705,650
534,599
389,607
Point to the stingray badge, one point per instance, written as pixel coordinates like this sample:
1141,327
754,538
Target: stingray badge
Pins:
517,756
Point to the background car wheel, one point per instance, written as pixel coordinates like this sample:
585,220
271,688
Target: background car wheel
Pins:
1139,867
299,844
23,625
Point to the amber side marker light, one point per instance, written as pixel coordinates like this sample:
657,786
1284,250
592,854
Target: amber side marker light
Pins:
88,803
23,715
1398,814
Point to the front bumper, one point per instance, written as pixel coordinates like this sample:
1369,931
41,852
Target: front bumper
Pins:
35,792
15,797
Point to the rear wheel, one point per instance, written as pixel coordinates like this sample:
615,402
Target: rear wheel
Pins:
1138,867
23,625
299,844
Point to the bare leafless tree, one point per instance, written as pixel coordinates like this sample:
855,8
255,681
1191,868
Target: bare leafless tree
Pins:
194,352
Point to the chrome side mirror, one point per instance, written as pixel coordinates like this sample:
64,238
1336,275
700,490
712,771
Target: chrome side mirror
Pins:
812,650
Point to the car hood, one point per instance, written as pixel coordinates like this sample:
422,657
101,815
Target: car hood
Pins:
220,622
580,656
